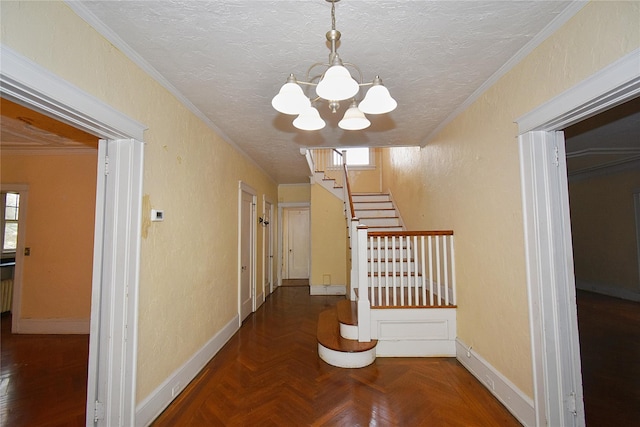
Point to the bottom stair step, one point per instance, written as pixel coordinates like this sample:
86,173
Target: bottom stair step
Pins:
339,351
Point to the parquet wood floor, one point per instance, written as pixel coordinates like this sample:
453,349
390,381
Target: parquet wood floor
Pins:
43,379
269,374
610,353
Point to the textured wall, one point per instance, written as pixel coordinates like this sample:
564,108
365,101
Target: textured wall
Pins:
603,227
56,281
328,238
367,180
188,277
467,179
294,193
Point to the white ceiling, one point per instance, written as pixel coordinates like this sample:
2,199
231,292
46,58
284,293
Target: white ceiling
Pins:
227,59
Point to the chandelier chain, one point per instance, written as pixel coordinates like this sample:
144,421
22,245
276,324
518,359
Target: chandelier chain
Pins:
333,15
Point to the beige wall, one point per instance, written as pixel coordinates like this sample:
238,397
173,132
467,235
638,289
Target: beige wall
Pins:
188,272
604,230
56,281
328,238
294,193
367,180
467,179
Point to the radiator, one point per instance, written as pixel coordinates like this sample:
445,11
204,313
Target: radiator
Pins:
6,288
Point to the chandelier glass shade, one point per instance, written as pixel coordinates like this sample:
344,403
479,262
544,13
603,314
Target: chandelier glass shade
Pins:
335,84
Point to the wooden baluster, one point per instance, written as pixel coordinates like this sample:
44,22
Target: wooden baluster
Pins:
371,290
394,278
446,269
401,271
453,272
380,253
430,270
386,269
423,271
438,268
415,271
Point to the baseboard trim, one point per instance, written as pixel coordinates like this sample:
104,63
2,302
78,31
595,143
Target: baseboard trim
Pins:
328,289
156,402
609,290
413,348
52,326
519,404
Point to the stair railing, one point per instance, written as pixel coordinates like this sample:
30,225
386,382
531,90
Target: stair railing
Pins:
411,269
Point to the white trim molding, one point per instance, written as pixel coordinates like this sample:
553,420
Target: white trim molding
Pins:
327,289
156,402
557,378
517,402
116,255
605,89
53,326
27,83
550,281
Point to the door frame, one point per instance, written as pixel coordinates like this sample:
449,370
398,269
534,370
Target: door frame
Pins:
281,208
16,302
267,244
245,188
557,377
111,384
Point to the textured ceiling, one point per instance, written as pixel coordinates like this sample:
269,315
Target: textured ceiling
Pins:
229,58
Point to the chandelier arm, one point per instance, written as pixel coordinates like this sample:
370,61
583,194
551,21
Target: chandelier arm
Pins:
317,64
355,67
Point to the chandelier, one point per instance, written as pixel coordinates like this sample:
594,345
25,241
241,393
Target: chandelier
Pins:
335,84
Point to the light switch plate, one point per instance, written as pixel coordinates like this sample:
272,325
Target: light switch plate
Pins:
157,215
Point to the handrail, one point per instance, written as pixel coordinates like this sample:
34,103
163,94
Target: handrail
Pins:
346,179
410,233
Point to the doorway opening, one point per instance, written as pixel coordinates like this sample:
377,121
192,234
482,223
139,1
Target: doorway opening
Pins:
296,243
247,298
111,381
603,166
557,377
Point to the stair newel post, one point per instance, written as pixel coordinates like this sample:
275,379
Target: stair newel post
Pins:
353,235
364,309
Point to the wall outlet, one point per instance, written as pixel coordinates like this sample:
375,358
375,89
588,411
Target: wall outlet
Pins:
175,390
489,382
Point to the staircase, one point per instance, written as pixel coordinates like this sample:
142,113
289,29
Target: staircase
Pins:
402,299
410,300
338,338
338,327
377,211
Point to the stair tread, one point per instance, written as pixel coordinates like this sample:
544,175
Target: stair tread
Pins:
329,335
348,312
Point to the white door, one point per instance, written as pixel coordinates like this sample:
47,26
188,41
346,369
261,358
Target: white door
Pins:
268,247
246,247
298,244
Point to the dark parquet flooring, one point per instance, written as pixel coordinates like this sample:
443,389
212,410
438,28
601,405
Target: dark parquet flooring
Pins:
269,374
43,379
610,355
